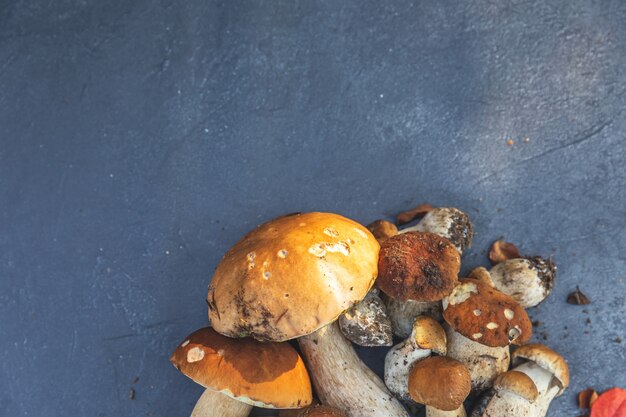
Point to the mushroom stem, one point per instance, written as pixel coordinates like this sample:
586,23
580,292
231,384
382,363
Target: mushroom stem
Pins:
342,380
483,362
435,412
543,380
403,313
504,404
212,403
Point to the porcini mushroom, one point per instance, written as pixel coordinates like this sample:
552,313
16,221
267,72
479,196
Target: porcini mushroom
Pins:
427,336
513,394
547,369
442,384
528,280
482,322
448,222
291,278
366,323
241,373
421,267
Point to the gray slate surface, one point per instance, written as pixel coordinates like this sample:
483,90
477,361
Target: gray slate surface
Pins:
140,139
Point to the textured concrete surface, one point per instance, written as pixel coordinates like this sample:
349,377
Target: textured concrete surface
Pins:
139,140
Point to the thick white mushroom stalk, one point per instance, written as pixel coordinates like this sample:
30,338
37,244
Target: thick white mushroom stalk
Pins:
505,404
342,380
214,404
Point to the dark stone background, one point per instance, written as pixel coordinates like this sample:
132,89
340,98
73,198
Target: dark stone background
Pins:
140,139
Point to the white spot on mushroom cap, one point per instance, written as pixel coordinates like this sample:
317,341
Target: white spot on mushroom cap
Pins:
491,325
282,253
220,352
320,249
195,354
514,333
267,274
185,343
462,292
509,314
329,231
477,335
362,233
302,224
317,250
477,312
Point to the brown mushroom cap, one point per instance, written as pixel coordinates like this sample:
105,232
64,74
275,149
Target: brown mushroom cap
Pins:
382,229
430,335
440,382
546,358
313,411
485,315
417,266
268,375
291,276
518,383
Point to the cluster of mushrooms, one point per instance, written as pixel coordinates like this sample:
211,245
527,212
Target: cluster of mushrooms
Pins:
327,282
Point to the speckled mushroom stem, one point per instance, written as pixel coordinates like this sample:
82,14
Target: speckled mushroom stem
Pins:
543,380
435,412
214,404
342,380
484,363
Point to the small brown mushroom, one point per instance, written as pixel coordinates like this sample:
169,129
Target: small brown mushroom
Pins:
382,229
241,373
482,323
442,384
421,267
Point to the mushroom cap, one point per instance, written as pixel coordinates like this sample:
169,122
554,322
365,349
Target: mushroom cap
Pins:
382,229
429,334
440,382
451,223
268,375
320,411
291,276
528,280
546,358
518,383
485,315
417,266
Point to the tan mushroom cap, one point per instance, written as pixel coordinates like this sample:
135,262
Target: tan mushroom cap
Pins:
485,315
430,335
291,276
382,229
518,383
546,358
268,375
313,411
440,382
417,266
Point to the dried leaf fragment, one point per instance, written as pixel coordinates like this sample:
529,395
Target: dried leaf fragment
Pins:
578,298
502,251
611,403
382,229
414,213
584,398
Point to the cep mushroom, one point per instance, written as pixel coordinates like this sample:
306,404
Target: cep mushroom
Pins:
528,280
448,222
366,323
241,373
482,322
427,336
441,384
547,369
291,278
417,267
513,394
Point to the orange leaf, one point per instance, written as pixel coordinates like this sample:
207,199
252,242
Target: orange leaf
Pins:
611,403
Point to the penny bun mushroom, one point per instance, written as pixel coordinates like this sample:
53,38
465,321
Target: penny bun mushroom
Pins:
528,280
241,373
415,268
482,322
513,394
291,278
427,336
448,222
441,384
